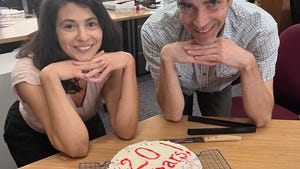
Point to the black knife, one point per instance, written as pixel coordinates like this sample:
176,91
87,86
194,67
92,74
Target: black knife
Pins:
206,139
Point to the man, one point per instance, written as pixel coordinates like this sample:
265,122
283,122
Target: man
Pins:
203,46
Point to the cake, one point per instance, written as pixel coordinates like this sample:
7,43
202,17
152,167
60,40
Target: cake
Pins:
155,155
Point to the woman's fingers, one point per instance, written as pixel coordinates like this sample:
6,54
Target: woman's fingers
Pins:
91,66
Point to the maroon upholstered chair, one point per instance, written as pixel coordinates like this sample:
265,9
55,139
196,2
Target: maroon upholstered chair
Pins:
286,80
279,112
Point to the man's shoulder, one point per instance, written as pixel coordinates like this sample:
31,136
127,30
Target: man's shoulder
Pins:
247,16
242,12
164,17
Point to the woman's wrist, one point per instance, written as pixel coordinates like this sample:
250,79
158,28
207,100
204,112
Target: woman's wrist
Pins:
48,73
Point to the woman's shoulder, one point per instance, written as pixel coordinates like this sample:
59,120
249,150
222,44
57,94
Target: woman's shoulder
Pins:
25,71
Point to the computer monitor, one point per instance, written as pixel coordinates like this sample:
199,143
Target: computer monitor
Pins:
27,5
30,6
12,4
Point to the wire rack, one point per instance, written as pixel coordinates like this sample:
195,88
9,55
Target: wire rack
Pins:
210,159
213,159
93,165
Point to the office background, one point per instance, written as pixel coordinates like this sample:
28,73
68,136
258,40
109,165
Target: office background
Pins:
285,13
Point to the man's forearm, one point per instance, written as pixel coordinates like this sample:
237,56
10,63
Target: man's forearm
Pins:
258,98
169,95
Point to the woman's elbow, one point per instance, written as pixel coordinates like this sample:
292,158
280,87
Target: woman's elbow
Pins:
73,149
77,151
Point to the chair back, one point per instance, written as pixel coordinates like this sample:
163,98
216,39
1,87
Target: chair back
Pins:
287,80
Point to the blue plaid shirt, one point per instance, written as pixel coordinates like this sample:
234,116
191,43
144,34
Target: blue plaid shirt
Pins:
246,24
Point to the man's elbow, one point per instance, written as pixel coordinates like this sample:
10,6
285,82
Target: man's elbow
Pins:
173,117
127,136
172,114
126,132
261,122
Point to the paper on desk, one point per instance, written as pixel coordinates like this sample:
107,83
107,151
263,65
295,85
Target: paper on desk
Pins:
120,5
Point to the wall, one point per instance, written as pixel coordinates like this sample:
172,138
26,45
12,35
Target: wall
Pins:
280,10
7,62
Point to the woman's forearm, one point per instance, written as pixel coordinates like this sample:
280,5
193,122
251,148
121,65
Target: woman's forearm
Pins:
66,132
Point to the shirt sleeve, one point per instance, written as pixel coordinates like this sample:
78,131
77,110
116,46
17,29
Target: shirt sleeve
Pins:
151,49
266,50
24,71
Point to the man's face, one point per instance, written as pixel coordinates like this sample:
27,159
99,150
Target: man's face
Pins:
204,18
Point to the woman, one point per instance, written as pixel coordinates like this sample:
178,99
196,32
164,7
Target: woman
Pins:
64,71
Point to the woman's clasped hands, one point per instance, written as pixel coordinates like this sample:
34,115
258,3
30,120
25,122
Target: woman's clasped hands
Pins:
102,64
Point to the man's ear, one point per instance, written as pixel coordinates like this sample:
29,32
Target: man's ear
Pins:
230,2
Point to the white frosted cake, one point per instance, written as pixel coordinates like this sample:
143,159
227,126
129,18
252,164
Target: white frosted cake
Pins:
155,155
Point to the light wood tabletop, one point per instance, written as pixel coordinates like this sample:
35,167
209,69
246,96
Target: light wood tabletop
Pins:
275,146
124,16
18,30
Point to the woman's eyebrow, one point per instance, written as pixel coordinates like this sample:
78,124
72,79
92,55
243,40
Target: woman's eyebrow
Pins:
66,21
92,18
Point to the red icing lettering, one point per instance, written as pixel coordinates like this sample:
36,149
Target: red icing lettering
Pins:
143,165
172,146
173,158
181,155
137,151
189,153
123,162
169,163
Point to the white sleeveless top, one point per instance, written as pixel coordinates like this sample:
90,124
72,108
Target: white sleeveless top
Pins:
25,71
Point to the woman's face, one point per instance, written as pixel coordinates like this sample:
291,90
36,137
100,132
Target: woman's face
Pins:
78,31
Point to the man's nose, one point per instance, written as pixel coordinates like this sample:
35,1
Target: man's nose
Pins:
201,18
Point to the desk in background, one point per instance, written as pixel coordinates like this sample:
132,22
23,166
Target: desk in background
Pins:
275,146
14,32
131,24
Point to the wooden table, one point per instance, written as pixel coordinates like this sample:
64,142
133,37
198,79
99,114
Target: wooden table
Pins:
18,30
275,146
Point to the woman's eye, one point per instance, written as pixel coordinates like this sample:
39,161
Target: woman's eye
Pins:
69,27
92,24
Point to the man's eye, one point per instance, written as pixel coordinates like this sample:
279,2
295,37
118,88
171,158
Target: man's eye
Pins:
187,8
213,3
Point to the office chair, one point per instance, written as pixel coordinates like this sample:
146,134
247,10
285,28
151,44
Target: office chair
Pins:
286,80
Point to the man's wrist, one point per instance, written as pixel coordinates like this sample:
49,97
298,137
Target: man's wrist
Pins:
249,63
165,55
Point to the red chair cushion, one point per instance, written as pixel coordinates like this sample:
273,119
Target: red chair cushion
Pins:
279,112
